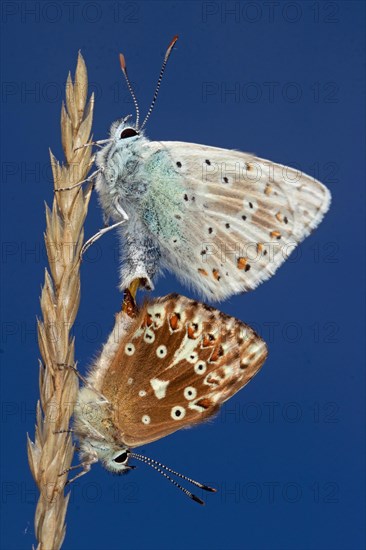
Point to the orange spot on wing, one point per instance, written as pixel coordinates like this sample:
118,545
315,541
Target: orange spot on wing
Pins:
212,379
205,403
268,190
259,248
275,234
279,216
148,320
208,341
216,274
173,321
242,262
202,272
216,354
191,332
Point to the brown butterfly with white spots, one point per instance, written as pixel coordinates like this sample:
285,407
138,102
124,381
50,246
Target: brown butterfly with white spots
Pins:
169,367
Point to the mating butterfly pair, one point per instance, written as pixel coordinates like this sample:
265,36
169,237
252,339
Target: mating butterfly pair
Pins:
222,221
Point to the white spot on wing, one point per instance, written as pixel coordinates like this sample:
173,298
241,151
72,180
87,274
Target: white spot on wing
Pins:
157,312
228,370
146,419
255,347
161,352
192,357
200,367
177,413
129,349
159,387
192,405
190,393
149,336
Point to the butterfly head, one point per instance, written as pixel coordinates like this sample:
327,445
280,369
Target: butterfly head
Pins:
113,458
116,460
99,438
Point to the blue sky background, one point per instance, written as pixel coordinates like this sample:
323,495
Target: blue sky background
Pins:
286,453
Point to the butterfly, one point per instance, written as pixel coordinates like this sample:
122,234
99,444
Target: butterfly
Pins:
221,220
168,368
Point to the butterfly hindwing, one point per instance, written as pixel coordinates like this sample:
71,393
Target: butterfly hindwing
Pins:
179,361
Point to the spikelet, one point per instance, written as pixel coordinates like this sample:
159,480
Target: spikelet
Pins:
51,453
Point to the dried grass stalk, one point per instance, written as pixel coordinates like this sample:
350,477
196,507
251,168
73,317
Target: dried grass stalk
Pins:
51,453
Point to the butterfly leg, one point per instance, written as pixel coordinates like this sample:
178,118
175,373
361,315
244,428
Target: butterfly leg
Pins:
86,384
80,183
86,466
105,230
97,236
75,370
98,143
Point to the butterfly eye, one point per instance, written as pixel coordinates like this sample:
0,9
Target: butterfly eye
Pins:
122,458
128,132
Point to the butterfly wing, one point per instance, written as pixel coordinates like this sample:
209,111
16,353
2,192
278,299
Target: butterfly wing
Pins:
229,219
178,362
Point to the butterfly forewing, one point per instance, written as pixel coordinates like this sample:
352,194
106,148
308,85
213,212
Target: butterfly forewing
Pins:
229,219
179,361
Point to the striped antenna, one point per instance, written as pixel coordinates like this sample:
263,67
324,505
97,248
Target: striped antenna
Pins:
161,467
196,483
129,86
167,54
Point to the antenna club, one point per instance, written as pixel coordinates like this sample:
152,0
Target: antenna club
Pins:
171,46
210,489
175,38
197,499
122,62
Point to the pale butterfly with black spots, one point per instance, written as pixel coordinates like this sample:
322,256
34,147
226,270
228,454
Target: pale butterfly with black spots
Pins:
221,220
170,366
